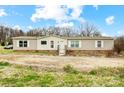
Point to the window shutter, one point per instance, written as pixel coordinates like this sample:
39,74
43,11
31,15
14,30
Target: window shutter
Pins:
17,42
69,43
28,43
102,45
79,44
95,44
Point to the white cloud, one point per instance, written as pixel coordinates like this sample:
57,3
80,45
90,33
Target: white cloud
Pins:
29,27
95,6
77,10
68,24
104,34
58,13
49,12
110,20
17,27
2,13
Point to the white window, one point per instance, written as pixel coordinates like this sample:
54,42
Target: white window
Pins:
74,44
23,43
52,44
99,44
43,42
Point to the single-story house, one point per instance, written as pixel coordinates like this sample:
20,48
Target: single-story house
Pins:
63,44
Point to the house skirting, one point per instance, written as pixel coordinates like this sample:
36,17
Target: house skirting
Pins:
106,53
43,52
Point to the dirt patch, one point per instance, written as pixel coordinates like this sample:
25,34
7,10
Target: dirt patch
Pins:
58,62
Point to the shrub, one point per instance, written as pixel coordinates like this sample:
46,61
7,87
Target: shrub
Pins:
4,63
2,43
119,44
93,72
70,69
121,75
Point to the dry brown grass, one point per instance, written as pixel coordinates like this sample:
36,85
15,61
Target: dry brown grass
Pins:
58,62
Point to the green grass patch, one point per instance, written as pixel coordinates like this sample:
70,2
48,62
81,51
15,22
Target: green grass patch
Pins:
23,76
47,80
108,71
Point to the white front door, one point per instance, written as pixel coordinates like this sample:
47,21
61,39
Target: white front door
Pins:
62,49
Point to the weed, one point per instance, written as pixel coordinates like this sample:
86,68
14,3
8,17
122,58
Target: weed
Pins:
2,63
70,69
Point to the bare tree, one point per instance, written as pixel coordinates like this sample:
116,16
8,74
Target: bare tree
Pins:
88,29
119,44
6,34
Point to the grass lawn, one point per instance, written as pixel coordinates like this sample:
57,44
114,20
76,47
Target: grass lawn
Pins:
19,76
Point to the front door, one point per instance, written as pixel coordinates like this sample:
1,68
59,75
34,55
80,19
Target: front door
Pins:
62,49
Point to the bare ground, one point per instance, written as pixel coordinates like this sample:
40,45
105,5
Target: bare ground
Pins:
58,62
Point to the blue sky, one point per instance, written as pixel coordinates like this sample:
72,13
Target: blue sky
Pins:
109,19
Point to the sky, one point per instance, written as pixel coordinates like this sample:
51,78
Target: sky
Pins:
108,18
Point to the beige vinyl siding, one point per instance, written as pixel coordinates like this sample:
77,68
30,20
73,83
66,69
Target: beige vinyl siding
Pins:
31,44
90,45
84,44
70,42
48,45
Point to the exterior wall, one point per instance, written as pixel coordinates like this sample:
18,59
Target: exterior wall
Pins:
47,46
35,44
91,45
32,45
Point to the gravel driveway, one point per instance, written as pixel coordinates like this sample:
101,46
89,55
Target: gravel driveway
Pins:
58,62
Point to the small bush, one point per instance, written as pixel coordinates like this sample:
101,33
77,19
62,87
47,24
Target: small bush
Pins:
119,44
4,63
70,69
121,75
3,44
93,72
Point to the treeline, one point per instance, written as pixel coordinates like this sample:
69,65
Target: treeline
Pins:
119,44
6,33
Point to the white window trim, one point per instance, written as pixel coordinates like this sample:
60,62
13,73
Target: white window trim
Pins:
96,44
28,44
43,44
17,43
69,43
102,44
80,44
52,44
